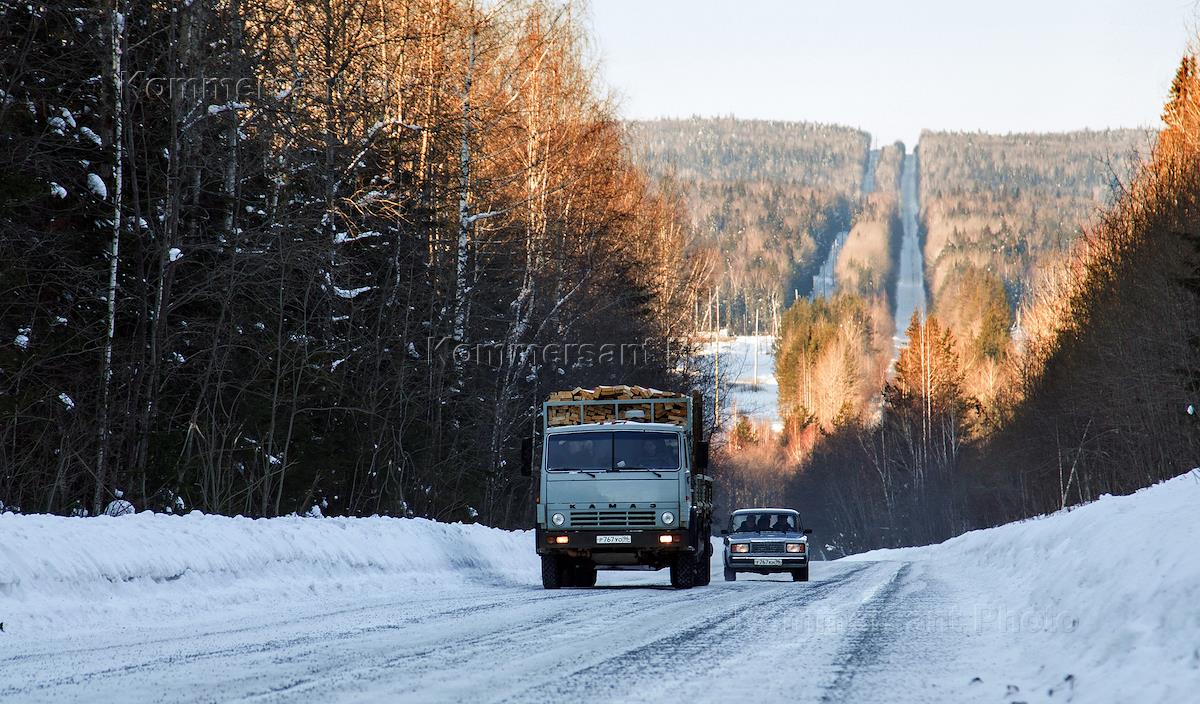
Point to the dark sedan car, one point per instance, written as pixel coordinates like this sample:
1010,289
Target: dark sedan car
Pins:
766,540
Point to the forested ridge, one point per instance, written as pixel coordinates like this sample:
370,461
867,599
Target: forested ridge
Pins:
766,199
980,421
1010,206
264,257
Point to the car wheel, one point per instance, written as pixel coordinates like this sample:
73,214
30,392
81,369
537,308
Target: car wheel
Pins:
730,575
800,575
683,571
552,572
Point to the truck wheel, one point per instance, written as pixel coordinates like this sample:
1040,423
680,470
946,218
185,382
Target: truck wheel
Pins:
584,575
800,575
552,572
704,568
730,575
569,569
683,571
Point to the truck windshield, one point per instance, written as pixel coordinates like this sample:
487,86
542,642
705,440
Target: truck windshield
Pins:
613,451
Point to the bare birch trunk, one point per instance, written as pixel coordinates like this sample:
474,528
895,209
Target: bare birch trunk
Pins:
117,30
464,219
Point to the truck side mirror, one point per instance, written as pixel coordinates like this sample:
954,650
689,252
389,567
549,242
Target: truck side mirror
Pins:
701,455
808,531
724,532
526,457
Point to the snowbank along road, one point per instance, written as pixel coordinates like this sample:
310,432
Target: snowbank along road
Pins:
200,608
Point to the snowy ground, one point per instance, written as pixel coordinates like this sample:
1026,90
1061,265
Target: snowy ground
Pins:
1093,605
753,390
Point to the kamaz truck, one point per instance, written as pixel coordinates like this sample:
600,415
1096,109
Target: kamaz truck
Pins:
621,486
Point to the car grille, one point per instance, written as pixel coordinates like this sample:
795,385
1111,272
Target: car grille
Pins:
613,519
767,547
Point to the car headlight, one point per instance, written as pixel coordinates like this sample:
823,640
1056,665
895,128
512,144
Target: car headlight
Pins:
795,547
668,517
558,519
739,547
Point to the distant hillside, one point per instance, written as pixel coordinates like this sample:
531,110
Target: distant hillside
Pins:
767,198
828,157
1007,203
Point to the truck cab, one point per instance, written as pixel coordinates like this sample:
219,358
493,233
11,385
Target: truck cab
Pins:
622,494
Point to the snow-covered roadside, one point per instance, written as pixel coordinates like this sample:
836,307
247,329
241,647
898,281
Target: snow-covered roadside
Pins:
1096,604
1100,602
56,569
753,389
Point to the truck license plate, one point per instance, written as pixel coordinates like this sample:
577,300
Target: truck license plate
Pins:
768,562
614,539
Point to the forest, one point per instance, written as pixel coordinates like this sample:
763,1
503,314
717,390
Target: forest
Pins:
274,257
280,258
766,200
1013,204
866,263
1095,390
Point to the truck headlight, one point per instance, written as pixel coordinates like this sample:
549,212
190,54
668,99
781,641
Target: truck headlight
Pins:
558,519
668,517
739,547
795,547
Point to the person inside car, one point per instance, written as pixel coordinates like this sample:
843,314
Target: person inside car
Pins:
783,523
650,456
764,522
748,525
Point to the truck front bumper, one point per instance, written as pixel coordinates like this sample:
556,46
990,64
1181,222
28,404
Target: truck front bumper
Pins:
589,542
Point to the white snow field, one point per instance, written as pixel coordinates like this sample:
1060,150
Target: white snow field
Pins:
1098,604
753,390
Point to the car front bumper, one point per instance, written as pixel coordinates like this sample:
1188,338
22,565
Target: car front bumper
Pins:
745,562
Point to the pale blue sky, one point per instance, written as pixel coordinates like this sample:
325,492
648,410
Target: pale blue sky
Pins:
894,67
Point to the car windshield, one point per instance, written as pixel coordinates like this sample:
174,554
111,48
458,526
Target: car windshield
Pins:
763,521
613,451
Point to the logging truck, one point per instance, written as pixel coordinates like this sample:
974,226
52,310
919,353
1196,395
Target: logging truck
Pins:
621,486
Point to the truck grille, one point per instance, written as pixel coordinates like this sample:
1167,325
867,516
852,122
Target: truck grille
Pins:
614,519
767,547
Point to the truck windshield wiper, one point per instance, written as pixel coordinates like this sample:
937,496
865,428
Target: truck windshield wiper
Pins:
590,472
643,469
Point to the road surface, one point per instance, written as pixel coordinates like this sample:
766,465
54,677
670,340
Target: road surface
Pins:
910,284
825,280
841,637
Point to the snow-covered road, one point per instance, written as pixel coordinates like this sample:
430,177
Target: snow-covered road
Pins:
630,639
910,281
1096,604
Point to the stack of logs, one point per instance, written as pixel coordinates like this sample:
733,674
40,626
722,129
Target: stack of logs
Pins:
676,412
